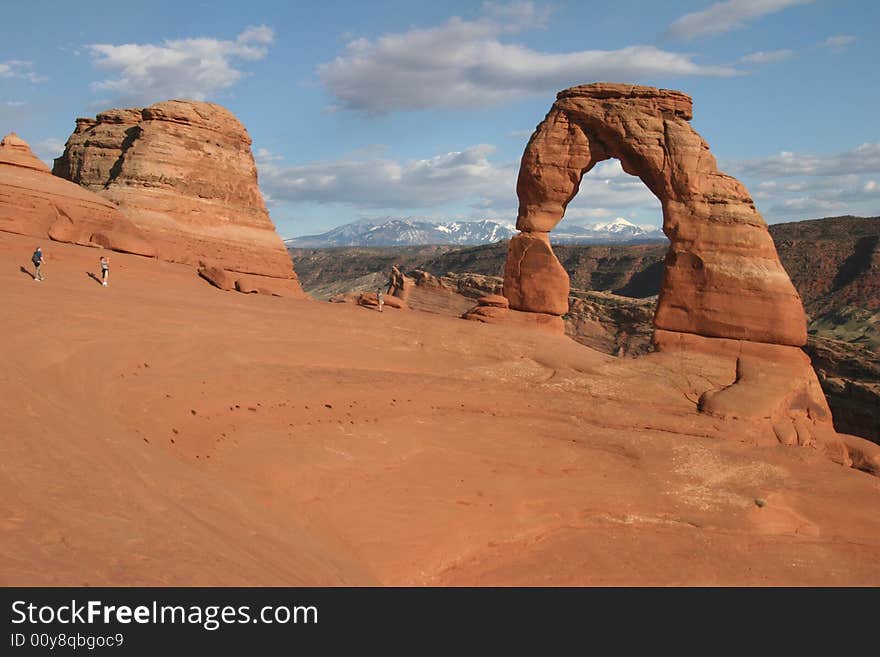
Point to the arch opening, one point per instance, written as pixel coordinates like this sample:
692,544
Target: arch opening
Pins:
610,238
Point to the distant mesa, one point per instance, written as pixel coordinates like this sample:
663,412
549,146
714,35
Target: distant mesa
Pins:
34,202
183,172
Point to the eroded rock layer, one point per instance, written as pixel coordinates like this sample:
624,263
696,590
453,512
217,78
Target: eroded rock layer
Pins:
722,276
34,202
184,173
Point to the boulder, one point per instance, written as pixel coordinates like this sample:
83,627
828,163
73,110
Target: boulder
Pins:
494,300
217,276
506,316
277,287
371,300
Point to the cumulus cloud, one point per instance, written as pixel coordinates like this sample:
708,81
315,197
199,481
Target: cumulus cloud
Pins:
767,57
725,16
184,68
808,206
464,63
388,183
807,185
48,149
607,190
441,184
20,69
862,159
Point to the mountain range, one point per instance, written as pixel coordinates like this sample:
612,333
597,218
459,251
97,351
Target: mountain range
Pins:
415,232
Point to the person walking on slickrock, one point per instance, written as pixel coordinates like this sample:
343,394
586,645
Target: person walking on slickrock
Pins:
37,259
105,270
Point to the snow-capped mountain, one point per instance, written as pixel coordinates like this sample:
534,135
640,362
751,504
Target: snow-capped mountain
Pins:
411,232
407,232
617,231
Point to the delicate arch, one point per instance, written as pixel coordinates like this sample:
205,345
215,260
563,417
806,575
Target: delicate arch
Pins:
722,275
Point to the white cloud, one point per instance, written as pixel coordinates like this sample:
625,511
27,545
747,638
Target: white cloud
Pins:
460,176
586,215
607,190
862,159
20,69
184,68
48,149
806,185
767,57
443,184
811,206
464,63
839,42
725,16
265,156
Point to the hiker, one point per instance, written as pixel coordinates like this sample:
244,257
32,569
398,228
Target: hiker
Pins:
37,259
105,270
380,298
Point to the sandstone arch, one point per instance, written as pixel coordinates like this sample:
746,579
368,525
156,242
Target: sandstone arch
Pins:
722,275
727,310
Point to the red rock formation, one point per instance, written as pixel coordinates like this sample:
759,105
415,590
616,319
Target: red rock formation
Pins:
183,171
371,300
534,280
770,389
495,314
722,276
495,309
399,285
725,296
34,202
494,301
217,277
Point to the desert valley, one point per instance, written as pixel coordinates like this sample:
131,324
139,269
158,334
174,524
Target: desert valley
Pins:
618,415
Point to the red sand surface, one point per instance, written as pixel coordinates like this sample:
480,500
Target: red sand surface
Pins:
163,432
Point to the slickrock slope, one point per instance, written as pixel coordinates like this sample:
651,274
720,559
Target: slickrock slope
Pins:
184,173
36,203
161,432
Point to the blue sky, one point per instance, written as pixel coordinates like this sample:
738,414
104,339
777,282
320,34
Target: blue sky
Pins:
409,109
